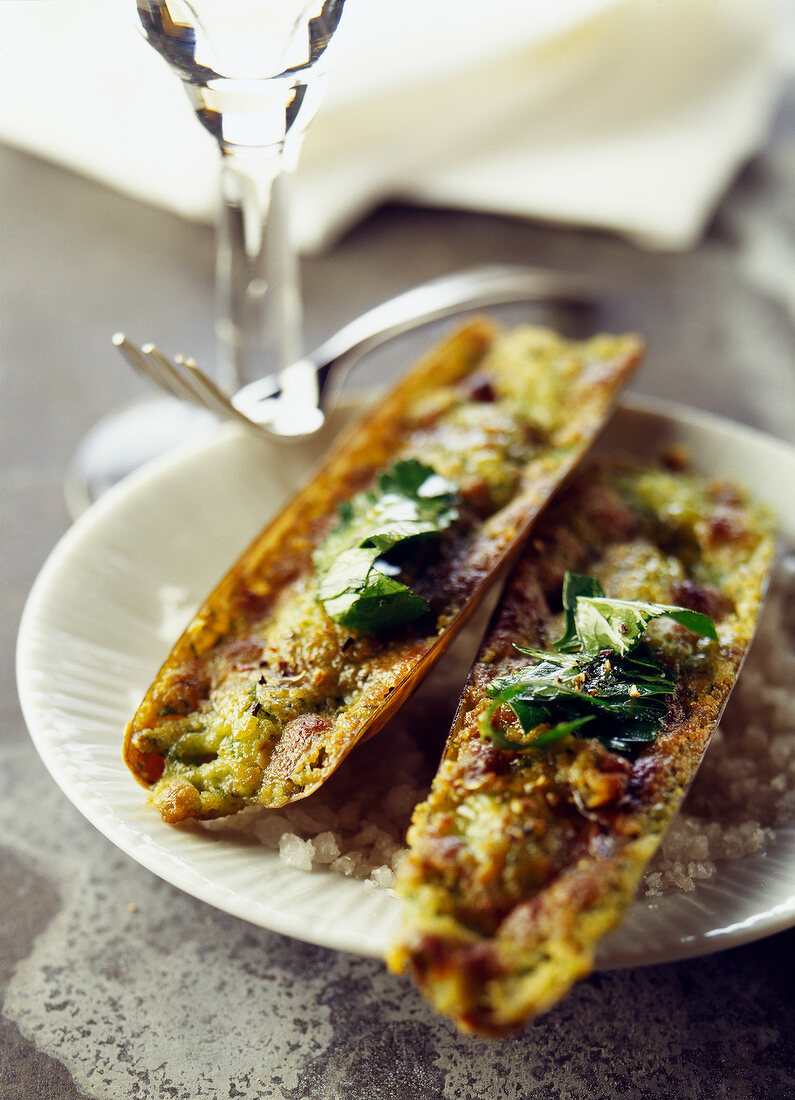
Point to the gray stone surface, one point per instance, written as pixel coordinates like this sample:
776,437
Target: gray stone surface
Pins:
114,985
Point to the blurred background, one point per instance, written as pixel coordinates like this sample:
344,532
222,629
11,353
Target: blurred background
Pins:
629,115
590,135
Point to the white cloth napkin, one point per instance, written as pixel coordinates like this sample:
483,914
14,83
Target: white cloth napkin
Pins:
628,115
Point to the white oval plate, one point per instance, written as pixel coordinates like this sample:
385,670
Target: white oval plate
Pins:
93,636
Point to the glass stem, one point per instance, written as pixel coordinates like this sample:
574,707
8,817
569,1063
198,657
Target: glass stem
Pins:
259,326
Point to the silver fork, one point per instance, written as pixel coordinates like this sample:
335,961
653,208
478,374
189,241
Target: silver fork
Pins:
293,403
182,378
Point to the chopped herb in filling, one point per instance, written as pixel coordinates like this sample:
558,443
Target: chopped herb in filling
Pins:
361,559
600,681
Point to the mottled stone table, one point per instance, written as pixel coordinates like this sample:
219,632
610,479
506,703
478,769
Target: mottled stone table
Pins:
115,984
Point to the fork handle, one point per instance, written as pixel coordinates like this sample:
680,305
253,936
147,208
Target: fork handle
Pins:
477,287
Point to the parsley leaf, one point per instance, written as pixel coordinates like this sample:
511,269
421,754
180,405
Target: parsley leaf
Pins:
357,593
602,623
575,585
600,675
359,559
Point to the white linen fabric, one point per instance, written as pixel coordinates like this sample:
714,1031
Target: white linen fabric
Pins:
627,115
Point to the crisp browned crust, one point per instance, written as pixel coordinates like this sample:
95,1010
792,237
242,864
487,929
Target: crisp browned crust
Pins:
520,862
264,695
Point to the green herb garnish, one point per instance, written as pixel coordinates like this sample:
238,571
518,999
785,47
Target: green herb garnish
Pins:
600,681
359,561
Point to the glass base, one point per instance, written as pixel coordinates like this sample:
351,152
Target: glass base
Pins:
126,439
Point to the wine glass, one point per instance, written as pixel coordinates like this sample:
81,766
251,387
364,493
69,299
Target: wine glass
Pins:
254,71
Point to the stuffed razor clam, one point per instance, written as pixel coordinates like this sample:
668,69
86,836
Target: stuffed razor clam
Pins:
339,607
609,659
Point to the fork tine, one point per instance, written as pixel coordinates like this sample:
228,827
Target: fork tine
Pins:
152,369
184,379
174,377
212,396
269,423
186,373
